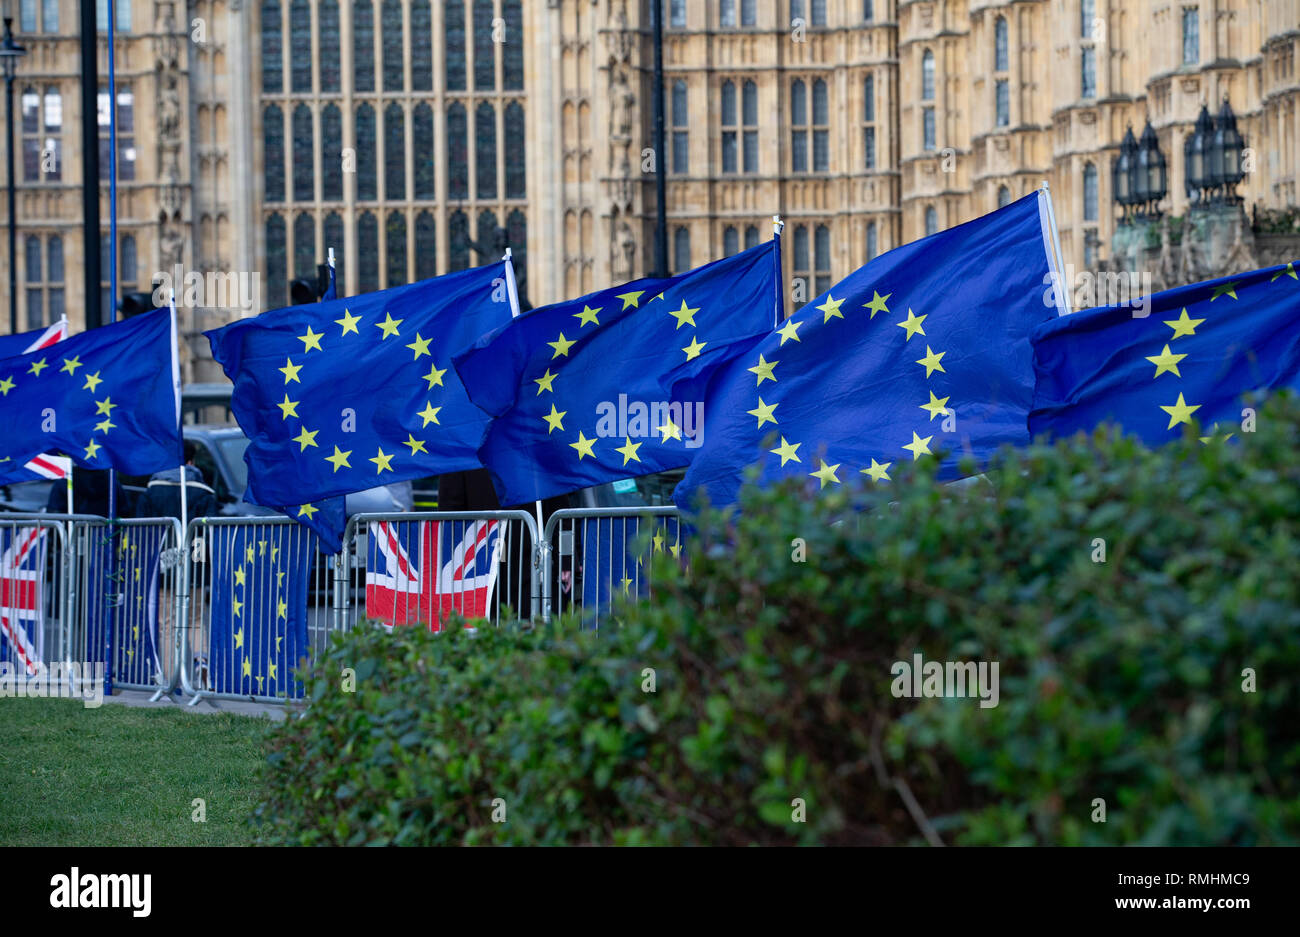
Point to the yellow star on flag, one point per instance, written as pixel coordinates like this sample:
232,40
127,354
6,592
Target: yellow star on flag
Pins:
789,331
1288,272
669,431
826,473
37,367
70,365
389,325
311,340
383,461
250,554
429,414
1179,412
877,471
104,425
349,322
1183,325
290,370
932,361
936,405
1225,289
544,382
247,667
676,550
587,315
789,452
693,349
105,406
305,438
912,324
339,459
630,299
434,377
685,315
1165,361
561,346
6,385
918,446
287,407
236,605
877,303
764,370
831,309
628,450
583,445
270,667
239,639
240,576
420,346
92,450
281,608
763,412
554,420
1214,436
92,382
658,541
416,445
308,511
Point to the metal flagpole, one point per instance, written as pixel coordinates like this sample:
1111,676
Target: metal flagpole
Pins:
112,317
1052,236
779,305
69,483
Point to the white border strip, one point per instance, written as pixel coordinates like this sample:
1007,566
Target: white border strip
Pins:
1052,245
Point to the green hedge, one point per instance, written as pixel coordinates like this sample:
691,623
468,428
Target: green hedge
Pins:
1120,680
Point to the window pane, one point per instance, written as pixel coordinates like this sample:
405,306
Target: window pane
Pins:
927,128
396,241
32,269
485,75
457,154
53,111
273,139
130,271
304,247
35,310
748,14
680,116
27,16
485,144
1004,196
751,151
516,176
512,65
272,49
730,241
728,103
869,146
31,111
798,104
819,12
799,151
820,116
454,26
751,237
517,231
367,176
750,104
422,140
927,76
368,251
1003,103
1089,192
796,10
677,13
871,240
931,221
334,239
331,134
1087,13
54,256
277,268
57,309
1088,63
821,151
729,151
822,248
801,248
1191,36
327,19
457,241
394,152
426,246
869,98
867,12
1000,45
391,37
421,46
681,152
300,52
304,176
363,46
681,250
727,13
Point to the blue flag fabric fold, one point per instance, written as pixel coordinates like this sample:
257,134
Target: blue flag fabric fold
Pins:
342,396
579,389
106,397
1188,361
922,350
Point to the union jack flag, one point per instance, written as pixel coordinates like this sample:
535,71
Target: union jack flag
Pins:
44,466
421,571
22,580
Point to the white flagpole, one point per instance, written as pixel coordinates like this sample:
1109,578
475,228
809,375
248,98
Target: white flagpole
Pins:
777,227
176,383
69,483
513,290
1055,256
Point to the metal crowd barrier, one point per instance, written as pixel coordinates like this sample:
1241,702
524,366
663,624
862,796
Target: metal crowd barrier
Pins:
595,555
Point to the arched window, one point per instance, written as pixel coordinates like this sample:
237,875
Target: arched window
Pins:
517,231
33,276
334,239
422,140
822,258
730,241
272,48
1000,44
681,136
1089,192
395,239
730,144
512,51
426,246
327,27
681,250
277,262
300,51
394,152
331,158
367,176
458,241
516,175
273,152
931,221
751,237
42,133
485,65
453,24
363,46
749,117
485,147
304,246
1004,196
421,46
799,123
872,247
368,253
801,263
304,138
821,132
457,153
391,38
927,76
869,121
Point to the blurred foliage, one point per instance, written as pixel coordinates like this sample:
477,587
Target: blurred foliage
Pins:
1120,680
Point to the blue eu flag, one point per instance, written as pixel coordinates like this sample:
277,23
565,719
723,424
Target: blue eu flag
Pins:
342,396
924,350
578,389
1186,362
109,398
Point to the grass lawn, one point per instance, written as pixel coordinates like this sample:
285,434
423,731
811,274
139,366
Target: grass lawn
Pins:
71,776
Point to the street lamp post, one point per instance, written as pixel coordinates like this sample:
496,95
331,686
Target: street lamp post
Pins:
10,53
